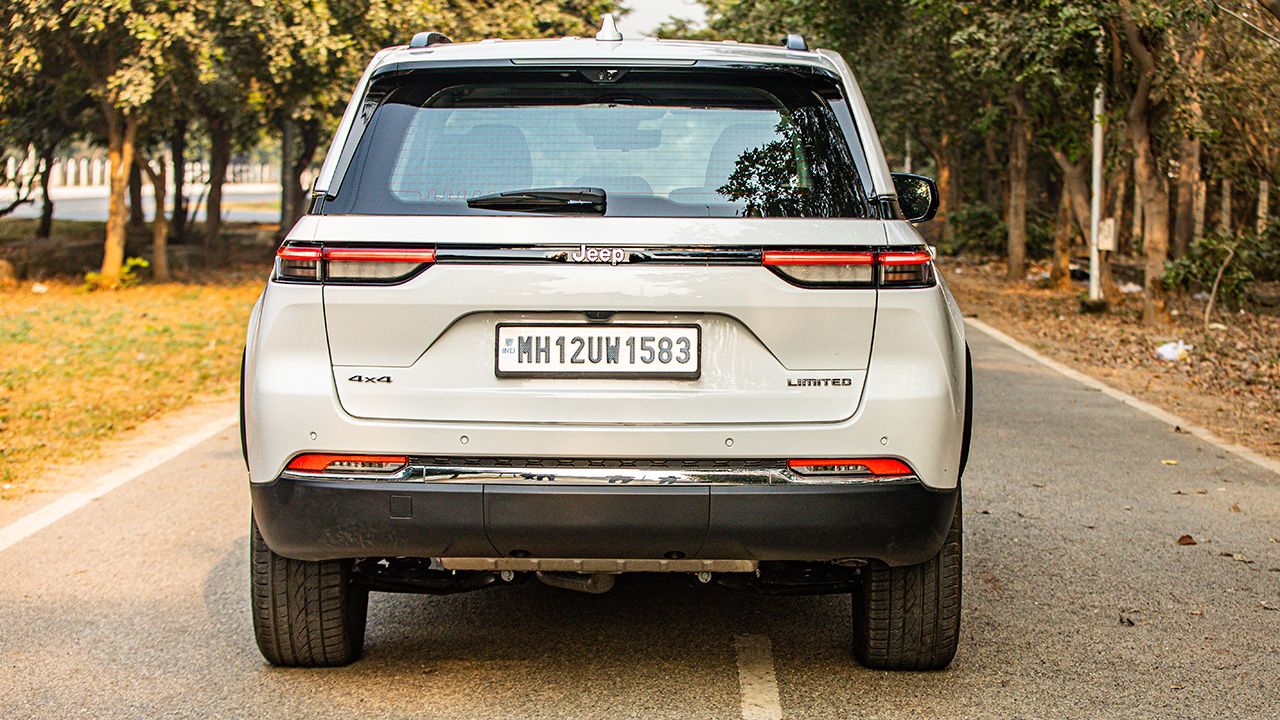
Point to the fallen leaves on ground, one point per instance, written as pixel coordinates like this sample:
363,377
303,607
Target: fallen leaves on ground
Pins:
1186,540
1230,382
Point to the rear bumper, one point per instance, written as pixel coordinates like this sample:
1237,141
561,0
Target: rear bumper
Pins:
899,523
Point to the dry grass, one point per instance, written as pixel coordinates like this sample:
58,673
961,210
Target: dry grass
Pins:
78,367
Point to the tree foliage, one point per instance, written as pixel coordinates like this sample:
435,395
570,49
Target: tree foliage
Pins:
997,96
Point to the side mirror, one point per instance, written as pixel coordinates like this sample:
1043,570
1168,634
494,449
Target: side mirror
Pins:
917,196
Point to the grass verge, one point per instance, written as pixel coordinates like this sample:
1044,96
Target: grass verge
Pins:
78,367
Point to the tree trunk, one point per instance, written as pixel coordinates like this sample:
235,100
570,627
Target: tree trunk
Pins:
160,224
1264,206
288,188
1152,183
1271,6
1190,54
1119,192
991,189
45,227
1019,140
136,218
178,151
1197,212
217,250
1224,209
1184,229
1060,271
298,146
1135,225
949,183
122,128
1075,186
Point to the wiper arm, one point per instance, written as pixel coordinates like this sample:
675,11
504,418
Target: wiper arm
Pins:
585,200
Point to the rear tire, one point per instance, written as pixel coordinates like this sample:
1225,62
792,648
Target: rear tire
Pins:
908,618
305,614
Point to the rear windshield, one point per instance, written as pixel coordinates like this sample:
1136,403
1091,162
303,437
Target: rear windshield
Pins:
660,144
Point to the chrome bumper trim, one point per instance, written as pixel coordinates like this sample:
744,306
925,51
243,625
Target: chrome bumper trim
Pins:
435,474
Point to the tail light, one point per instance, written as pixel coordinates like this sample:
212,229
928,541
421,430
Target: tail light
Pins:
842,269
317,463
820,268
906,269
865,468
306,263
298,263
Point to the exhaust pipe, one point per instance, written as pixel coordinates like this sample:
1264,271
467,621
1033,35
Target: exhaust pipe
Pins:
594,583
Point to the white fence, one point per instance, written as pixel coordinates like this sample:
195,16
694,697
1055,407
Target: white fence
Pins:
91,171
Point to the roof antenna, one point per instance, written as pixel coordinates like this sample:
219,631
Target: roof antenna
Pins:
608,29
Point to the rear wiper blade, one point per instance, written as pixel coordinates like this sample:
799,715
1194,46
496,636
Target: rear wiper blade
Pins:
586,200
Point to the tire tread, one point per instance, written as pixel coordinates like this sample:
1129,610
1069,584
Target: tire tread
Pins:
305,614
908,618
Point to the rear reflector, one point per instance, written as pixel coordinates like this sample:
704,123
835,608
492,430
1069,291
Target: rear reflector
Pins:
348,463
864,467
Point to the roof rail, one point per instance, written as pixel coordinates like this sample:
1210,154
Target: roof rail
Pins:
795,42
429,38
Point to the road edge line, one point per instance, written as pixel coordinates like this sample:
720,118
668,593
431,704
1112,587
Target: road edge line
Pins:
1154,411
67,503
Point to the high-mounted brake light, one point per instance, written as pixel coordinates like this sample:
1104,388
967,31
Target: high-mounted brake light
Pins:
306,263
877,468
313,462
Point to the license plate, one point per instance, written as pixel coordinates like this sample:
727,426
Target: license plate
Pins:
619,351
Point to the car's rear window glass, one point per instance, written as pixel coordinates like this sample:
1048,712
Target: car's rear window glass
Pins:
658,144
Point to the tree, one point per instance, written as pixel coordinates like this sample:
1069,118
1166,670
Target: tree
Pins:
312,53
40,107
1041,56
119,47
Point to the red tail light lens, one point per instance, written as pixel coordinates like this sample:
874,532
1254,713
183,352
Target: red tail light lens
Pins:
836,269
298,263
307,263
375,264
312,462
906,269
821,268
871,468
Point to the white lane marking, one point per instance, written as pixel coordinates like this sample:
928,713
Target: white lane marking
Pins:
1160,414
756,678
32,523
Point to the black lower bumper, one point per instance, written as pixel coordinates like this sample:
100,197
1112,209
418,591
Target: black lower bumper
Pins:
899,523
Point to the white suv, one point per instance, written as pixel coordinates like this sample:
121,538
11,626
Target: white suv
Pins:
567,309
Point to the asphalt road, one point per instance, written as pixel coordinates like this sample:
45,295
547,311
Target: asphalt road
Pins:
1078,601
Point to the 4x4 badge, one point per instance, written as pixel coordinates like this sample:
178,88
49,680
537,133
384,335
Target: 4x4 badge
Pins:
613,256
